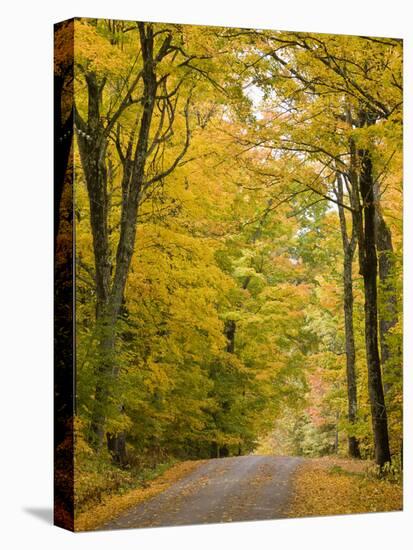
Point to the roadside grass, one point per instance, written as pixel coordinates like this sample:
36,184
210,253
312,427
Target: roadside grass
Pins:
331,486
111,505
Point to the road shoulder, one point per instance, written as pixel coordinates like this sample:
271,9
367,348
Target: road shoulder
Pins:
114,505
333,486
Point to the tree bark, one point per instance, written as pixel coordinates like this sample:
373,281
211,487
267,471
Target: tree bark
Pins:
92,149
349,246
388,315
229,331
117,447
368,269
353,444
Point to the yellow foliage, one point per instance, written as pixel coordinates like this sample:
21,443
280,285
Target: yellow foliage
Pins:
331,486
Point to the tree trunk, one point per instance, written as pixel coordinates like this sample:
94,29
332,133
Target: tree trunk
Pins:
117,447
92,148
388,315
336,434
353,444
104,374
229,331
349,246
368,269
92,141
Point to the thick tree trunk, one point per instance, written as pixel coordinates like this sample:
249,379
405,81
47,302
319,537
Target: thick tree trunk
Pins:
92,148
388,315
368,269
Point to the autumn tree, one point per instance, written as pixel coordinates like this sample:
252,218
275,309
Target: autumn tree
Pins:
331,84
144,91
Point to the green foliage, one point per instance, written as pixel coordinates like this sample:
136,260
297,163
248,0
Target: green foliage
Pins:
392,472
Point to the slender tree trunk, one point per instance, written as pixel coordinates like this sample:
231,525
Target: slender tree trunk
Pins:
336,434
349,246
229,331
368,269
353,444
117,447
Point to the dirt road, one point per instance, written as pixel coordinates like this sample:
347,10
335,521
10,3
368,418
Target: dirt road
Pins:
219,490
